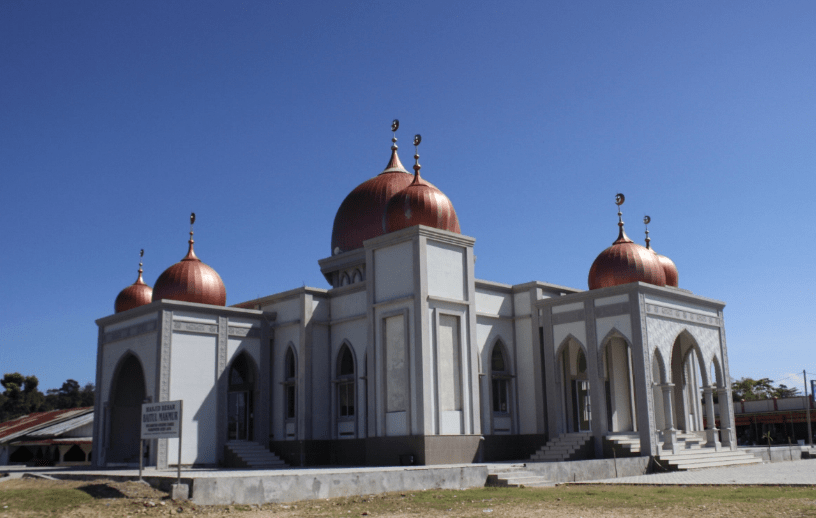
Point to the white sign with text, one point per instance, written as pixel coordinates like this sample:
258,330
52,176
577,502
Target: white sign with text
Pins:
161,420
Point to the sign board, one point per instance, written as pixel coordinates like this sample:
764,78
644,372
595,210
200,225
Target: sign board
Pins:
161,420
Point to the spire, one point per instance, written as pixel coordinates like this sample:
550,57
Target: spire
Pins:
622,237
190,252
394,165
417,167
139,280
646,220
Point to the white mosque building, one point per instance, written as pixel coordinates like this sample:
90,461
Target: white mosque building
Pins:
408,356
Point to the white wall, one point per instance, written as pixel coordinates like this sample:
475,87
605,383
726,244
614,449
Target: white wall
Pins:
193,380
394,271
446,271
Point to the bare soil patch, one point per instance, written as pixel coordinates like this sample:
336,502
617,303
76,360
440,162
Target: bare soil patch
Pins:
103,498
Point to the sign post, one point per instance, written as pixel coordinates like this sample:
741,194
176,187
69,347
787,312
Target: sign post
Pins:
162,420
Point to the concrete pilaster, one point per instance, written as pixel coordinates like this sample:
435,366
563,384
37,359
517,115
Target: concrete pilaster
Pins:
712,434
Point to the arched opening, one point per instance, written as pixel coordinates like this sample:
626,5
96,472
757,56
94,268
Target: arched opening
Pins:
500,386
290,392
619,386
345,393
658,379
128,394
240,399
575,387
688,379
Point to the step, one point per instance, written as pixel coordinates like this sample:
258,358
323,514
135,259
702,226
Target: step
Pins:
518,479
715,464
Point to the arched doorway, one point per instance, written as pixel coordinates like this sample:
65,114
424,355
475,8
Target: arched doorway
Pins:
500,388
240,404
575,387
346,398
128,394
688,379
619,386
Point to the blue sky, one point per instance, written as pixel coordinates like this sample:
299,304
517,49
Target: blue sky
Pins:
117,119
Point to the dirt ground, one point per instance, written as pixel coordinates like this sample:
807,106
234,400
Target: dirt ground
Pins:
38,497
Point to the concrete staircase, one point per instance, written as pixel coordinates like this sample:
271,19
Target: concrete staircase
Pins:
628,444
692,454
567,446
516,476
246,454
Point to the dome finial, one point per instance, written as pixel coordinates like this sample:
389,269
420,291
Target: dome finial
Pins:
619,199
646,221
394,164
417,141
190,253
141,255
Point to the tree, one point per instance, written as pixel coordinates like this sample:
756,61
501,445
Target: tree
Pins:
783,391
21,396
750,389
70,396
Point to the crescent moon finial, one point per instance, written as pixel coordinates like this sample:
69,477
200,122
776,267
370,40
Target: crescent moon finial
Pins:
646,221
417,167
395,125
619,199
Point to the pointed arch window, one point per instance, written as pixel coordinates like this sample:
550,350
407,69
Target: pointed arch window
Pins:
290,385
345,384
500,378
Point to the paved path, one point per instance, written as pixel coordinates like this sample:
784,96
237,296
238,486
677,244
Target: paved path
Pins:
795,473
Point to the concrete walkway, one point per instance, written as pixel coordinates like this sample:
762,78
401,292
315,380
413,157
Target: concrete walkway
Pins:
793,473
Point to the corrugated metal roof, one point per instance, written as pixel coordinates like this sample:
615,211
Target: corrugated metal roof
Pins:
29,423
64,426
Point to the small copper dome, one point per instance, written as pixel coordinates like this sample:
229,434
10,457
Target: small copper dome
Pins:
420,204
360,215
190,280
135,295
625,262
669,269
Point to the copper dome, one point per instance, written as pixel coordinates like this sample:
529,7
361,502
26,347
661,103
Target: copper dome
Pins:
420,204
625,262
360,215
190,280
135,295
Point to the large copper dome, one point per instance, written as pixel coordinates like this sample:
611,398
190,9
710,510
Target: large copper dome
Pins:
135,295
360,215
420,204
625,262
190,280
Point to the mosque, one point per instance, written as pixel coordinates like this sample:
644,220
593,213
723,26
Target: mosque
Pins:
408,357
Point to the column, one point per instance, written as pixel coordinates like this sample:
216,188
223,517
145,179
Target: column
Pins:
669,433
726,421
712,434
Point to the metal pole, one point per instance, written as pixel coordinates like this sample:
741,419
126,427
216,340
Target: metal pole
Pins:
181,421
807,407
141,457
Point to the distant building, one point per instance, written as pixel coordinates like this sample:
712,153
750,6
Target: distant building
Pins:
408,357
55,438
785,418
